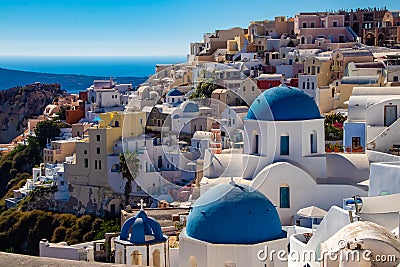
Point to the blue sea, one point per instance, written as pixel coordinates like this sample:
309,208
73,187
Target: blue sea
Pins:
104,66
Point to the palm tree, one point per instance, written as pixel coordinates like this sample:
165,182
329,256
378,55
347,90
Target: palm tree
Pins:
129,167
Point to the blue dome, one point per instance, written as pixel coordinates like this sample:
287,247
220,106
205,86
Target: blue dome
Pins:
144,230
283,103
234,214
174,92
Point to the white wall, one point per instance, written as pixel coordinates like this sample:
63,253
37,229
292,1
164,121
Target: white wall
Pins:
335,220
299,144
384,177
59,251
304,191
208,254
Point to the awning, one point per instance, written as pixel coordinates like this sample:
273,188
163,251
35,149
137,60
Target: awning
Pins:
312,212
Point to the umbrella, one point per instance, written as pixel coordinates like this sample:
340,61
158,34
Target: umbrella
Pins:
312,212
97,119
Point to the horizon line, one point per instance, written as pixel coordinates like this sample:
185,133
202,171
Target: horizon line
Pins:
90,55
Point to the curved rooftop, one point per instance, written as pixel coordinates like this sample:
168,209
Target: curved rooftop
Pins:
234,214
283,103
174,92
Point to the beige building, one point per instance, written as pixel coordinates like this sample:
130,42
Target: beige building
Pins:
58,151
88,176
223,98
336,95
79,129
214,41
235,45
319,66
342,57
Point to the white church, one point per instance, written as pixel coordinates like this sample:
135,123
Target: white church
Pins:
284,157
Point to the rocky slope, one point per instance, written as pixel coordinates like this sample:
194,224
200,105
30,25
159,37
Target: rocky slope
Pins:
18,104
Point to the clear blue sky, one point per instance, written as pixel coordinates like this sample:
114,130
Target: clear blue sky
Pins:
136,27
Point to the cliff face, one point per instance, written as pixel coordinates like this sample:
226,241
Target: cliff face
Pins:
18,104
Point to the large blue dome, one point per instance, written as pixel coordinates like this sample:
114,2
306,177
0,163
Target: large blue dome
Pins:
283,103
234,214
143,230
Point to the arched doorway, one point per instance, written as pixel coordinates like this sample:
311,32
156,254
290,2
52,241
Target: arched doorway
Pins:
136,258
119,257
370,39
192,261
156,258
117,124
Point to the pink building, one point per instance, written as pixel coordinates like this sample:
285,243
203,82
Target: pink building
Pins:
310,26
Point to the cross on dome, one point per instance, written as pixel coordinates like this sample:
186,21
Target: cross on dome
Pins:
142,204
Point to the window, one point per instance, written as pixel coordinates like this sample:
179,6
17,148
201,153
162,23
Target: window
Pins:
284,196
318,69
156,258
244,88
95,164
99,164
304,85
138,188
304,24
313,142
312,85
61,183
98,150
395,78
335,24
256,144
115,168
285,145
86,163
312,25
390,114
85,151
98,138
252,88
136,258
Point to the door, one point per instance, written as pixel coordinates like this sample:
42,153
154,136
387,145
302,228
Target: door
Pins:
390,114
355,142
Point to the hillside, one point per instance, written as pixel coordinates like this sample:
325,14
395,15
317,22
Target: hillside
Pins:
68,82
18,104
